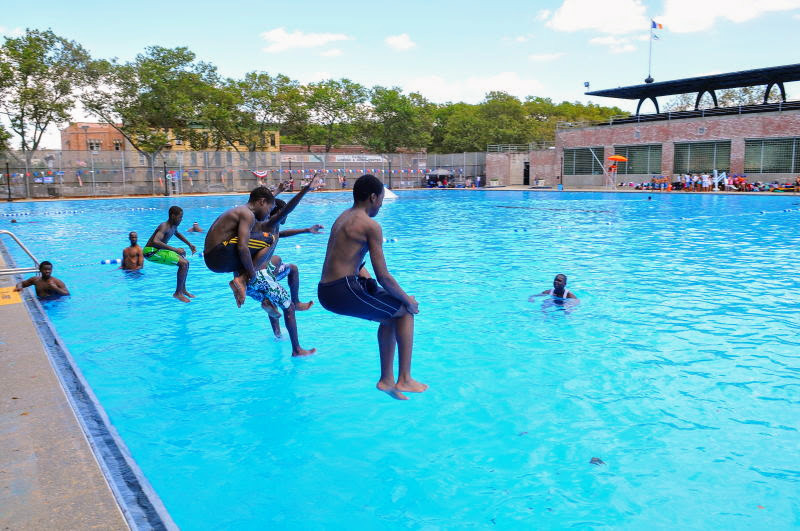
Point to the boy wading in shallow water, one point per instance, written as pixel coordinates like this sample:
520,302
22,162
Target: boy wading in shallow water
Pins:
347,289
158,251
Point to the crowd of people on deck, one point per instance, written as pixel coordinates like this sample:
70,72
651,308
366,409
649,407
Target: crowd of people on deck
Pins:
704,182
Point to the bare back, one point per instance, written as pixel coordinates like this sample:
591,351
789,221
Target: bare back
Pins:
348,243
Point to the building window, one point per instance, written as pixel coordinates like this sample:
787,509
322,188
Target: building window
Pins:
117,145
772,155
642,159
178,142
272,141
583,161
700,157
94,145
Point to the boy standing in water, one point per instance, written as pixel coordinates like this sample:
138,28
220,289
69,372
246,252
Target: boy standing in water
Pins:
158,251
347,289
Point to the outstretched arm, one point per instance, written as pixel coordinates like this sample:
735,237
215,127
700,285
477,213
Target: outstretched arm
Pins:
313,229
285,211
24,284
382,275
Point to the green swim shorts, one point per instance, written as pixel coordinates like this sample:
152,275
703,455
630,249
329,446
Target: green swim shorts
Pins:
161,256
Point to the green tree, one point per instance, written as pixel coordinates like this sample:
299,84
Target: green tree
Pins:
335,105
158,94
394,120
40,73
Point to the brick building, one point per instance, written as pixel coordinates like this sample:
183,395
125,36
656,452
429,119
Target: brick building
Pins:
759,141
91,136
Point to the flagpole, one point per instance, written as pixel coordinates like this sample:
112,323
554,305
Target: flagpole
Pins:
650,57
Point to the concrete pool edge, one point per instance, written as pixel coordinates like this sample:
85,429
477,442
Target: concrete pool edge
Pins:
140,505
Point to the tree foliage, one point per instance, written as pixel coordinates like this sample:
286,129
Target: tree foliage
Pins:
160,93
40,75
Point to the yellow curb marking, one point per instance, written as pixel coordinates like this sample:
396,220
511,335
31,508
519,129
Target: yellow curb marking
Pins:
9,296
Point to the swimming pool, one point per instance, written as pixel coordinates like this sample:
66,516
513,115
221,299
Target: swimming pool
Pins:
679,368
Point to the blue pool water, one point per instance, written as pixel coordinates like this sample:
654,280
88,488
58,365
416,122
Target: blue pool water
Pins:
679,369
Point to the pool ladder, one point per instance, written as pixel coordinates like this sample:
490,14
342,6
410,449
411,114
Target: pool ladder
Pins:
18,270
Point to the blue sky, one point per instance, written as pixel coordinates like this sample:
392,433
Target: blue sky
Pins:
448,51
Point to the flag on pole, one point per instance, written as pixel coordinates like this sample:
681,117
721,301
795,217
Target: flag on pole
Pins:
656,25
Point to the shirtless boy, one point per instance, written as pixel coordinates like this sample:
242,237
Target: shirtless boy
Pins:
241,240
46,285
559,290
158,251
132,257
347,289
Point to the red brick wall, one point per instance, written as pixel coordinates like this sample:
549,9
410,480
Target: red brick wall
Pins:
735,128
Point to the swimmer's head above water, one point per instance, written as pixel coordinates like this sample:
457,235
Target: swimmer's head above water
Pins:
559,284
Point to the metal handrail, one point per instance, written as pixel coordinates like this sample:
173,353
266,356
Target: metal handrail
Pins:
18,270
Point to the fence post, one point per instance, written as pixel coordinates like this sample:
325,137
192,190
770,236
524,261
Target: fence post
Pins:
8,182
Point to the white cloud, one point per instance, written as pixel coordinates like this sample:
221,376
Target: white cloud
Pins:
9,32
615,44
797,16
704,13
400,42
333,52
280,40
544,57
472,89
609,16
544,14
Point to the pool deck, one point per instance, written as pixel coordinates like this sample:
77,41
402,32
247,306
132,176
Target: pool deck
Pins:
49,477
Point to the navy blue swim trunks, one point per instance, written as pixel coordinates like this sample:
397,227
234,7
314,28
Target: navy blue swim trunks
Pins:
358,297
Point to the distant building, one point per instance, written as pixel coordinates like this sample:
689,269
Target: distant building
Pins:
97,137
760,141
91,136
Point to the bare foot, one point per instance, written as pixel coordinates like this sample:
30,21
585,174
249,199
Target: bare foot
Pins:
411,385
271,310
391,390
239,290
188,294
180,297
303,352
303,306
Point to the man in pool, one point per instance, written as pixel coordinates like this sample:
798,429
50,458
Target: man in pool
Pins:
347,289
158,251
47,286
195,228
241,242
132,257
559,290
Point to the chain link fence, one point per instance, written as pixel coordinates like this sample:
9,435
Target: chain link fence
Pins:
66,174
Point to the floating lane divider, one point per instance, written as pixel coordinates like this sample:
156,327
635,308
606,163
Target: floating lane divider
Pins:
111,261
15,214
388,240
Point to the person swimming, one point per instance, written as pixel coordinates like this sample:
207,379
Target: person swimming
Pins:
559,290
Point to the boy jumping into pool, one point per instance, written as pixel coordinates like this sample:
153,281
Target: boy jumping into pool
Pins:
266,289
240,241
158,251
347,289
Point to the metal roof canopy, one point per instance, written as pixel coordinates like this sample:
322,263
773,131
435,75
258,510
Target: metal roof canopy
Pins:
772,76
